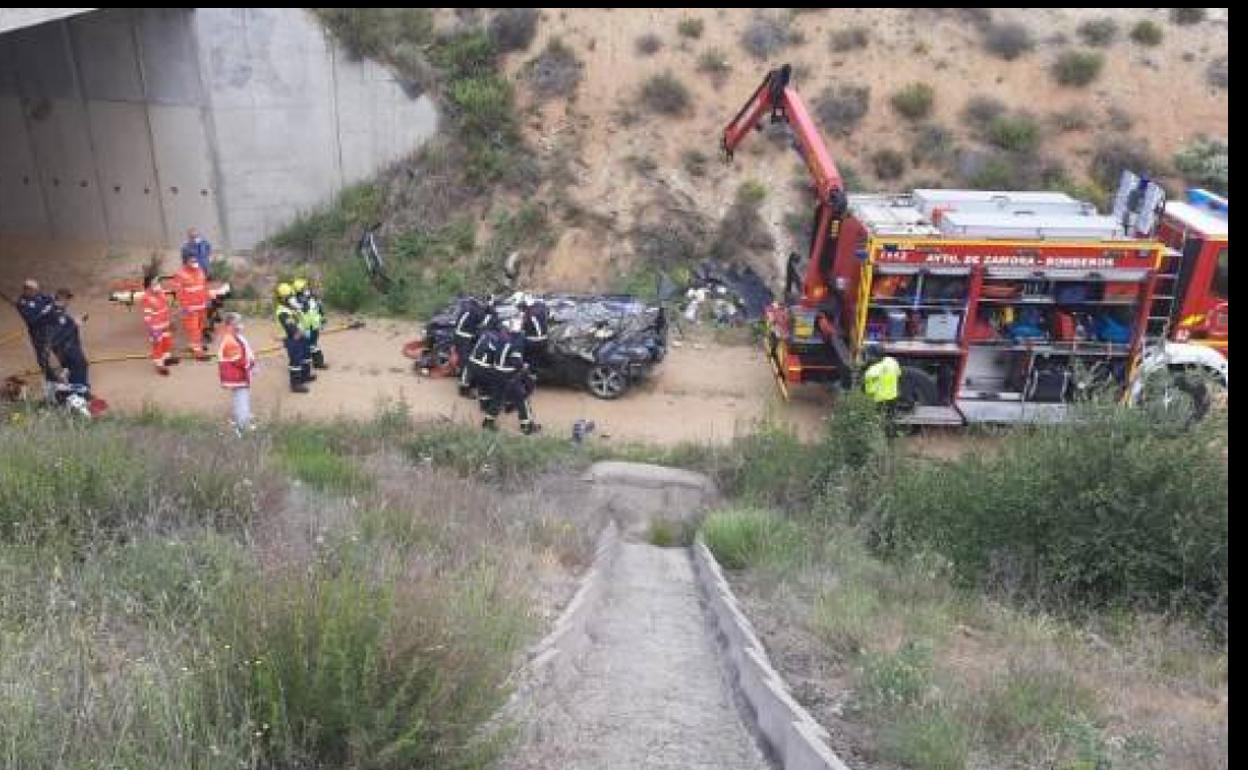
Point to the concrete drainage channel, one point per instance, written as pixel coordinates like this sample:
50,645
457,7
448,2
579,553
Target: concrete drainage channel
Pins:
652,664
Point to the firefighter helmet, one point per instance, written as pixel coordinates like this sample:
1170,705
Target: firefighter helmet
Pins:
299,284
284,290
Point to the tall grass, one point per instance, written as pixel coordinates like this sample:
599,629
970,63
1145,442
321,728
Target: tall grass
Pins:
143,626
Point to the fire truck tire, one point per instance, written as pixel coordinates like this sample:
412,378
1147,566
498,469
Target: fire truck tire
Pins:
917,388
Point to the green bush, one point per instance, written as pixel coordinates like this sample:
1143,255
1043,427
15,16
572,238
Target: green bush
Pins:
346,287
376,32
556,71
1017,133
668,533
1141,520
890,681
665,95
1218,73
308,457
745,537
1031,704
482,105
1098,32
695,162
489,456
752,192
714,62
1187,16
840,110
1078,68
933,144
1112,157
888,164
766,34
1206,162
1008,41
326,231
649,44
513,29
467,55
690,28
849,39
914,102
927,739
1147,33
979,111
344,667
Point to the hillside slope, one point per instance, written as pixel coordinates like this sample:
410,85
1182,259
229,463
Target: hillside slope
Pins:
630,166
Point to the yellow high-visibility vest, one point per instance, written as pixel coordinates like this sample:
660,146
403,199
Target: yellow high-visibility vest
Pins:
881,380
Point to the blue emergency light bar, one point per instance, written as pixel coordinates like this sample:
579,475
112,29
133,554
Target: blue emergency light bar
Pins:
1214,203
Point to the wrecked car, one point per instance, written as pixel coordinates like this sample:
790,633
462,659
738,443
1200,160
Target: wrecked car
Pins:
602,343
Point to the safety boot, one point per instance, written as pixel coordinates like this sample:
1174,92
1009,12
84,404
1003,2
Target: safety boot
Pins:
318,360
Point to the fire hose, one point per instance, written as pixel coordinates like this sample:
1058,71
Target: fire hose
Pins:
269,350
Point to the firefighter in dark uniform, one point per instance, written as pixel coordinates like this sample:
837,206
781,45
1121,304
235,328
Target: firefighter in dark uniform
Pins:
38,311
65,342
298,359
482,374
536,329
512,382
474,316
312,312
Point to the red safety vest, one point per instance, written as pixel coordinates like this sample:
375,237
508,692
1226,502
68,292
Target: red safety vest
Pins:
235,360
192,288
155,310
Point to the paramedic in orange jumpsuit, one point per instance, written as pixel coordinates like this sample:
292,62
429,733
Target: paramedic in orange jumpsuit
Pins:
193,297
156,319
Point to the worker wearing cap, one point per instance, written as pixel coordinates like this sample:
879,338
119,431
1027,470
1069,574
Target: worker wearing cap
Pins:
197,248
192,296
38,311
65,341
157,320
298,363
313,320
882,378
236,360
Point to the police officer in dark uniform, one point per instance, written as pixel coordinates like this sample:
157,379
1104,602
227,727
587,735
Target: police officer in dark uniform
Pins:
65,342
38,310
474,315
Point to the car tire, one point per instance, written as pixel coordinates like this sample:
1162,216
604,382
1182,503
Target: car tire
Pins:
606,382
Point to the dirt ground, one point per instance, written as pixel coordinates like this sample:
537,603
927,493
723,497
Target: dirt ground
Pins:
701,392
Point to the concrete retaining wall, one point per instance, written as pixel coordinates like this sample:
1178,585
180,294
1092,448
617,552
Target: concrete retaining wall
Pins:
796,740
129,125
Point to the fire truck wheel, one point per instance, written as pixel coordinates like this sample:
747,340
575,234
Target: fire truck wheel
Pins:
916,388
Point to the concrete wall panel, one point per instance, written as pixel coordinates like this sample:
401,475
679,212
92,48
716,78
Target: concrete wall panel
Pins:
43,64
67,170
180,145
107,63
167,47
127,177
21,199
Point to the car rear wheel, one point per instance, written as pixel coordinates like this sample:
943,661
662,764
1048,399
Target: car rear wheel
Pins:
606,382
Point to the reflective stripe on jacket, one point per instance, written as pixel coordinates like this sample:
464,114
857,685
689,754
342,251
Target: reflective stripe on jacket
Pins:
235,361
192,286
155,310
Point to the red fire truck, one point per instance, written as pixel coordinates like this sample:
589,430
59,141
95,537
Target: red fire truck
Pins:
1000,306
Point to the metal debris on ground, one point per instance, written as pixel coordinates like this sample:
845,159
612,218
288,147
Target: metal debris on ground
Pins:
735,295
